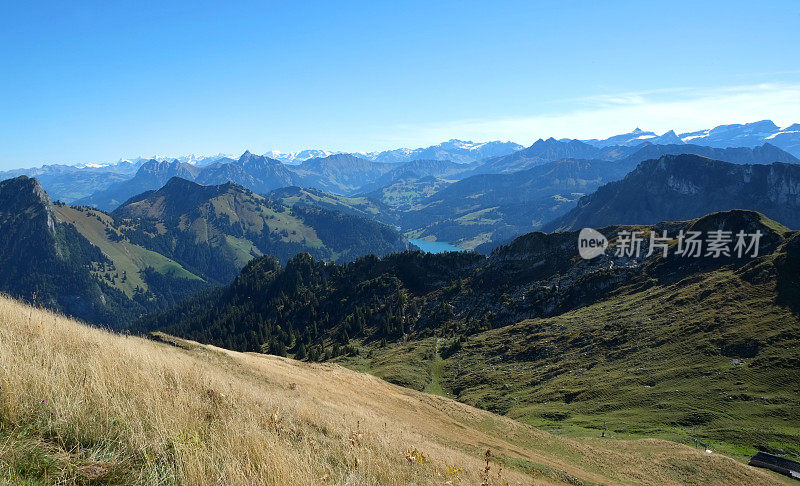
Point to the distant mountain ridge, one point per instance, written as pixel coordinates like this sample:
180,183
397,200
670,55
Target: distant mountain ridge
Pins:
294,158
151,174
540,152
257,172
637,137
454,150
683,187
69,183
85,183
484,210
721,136
550,150
72,183
339,173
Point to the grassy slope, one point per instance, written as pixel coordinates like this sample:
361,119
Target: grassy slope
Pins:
406,194
252,212
255,216
80,404
712,357
617,364
125,255
318,198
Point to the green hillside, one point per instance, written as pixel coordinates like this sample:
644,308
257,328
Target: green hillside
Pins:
70,260
160,247
359,206
127,259
711,356
408,193
666,347
215,230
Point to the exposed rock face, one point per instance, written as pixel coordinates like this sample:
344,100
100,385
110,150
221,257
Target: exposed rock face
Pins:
24,197
26,212
256,172
151,175
41,258
682,187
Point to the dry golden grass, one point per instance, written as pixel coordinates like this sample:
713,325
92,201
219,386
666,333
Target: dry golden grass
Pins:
78,404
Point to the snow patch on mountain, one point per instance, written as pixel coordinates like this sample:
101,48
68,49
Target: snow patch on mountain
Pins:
294,158
455,150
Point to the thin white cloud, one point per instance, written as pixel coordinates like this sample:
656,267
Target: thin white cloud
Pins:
681,109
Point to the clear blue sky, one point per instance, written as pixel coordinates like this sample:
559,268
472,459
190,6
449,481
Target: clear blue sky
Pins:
89,82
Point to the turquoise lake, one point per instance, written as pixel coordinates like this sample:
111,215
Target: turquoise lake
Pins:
434,246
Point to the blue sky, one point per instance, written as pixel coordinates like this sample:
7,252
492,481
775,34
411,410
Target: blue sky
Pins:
91,82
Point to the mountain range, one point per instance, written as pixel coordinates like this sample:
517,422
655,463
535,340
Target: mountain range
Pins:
203,223
683,187
484,210
70,183
310,260
471,205
722,136
544,151
90,183
160,246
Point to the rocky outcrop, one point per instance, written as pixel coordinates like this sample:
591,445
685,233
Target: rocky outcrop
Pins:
683,187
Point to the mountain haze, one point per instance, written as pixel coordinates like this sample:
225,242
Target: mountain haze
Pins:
454,150
637,137
151,175
256,172
722,136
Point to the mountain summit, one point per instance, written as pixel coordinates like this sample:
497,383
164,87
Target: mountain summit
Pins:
215,230
722,136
